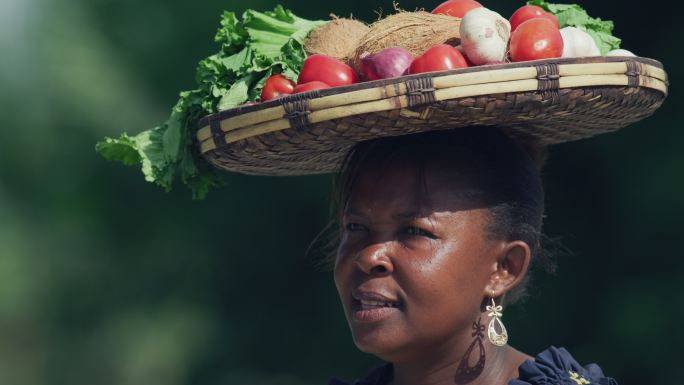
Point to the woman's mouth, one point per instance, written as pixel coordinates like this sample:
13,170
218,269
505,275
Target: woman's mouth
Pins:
366,305
372,307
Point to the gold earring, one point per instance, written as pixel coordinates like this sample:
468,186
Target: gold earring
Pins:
496,338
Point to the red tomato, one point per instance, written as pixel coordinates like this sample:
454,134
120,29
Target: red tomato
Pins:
536,39
328,70
456,8
310,86
276,86
527,12
438,58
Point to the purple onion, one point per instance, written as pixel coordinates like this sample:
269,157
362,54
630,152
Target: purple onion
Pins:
388,63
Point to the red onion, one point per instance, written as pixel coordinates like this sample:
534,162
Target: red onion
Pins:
388,63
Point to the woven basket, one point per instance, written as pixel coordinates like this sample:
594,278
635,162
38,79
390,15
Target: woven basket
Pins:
538,102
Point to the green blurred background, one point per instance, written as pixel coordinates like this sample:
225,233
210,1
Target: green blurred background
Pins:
105,279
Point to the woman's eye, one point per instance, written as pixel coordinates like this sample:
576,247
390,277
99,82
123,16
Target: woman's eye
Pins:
354,227
417,231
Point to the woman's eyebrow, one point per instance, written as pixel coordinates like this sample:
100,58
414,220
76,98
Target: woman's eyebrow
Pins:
352,211
397,216
407,215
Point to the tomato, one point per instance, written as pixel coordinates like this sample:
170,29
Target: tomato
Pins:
527,12
328,70
536,39
276,86
438,58
310,86
456,8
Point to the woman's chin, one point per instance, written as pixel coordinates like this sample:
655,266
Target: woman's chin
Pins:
375,341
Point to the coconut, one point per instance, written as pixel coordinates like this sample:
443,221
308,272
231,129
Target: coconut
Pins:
413,31
337,38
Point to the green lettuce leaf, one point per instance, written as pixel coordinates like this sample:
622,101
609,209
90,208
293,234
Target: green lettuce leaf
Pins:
124,150
238,92
252,49
232,34
575,16
167,151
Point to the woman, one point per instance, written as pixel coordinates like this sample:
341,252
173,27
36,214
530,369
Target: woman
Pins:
438,232
439,228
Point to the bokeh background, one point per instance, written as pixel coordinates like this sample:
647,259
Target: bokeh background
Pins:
105,279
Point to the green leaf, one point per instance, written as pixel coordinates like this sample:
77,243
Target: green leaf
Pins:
539,3
281,13
237,62
291,74
572,17
255,91
292,53
556,8
251,50
122,150
151,150
200,176
267,43
605,41
269,32
575,16
304,30
277,22
232,33
237,94
171,138
553,8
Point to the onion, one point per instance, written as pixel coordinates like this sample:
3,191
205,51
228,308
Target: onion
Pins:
465,56
620,52
388,63
577,43
484,36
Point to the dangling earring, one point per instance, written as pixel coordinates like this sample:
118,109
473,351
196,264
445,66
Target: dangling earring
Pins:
496,338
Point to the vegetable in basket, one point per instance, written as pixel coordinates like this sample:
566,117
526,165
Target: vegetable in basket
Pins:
264,53
252,49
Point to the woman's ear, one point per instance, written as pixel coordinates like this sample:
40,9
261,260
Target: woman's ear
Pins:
509,268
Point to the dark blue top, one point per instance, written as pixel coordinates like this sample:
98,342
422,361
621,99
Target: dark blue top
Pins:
553,366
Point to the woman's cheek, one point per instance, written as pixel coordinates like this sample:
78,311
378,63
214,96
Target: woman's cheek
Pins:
420,247
344,262
343,249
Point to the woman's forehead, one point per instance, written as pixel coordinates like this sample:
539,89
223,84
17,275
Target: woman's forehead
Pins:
411,189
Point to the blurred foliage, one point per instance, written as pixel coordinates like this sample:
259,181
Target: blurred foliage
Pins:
106,279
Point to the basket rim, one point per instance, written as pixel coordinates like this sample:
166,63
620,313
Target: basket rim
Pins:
540,103
243,122
239,110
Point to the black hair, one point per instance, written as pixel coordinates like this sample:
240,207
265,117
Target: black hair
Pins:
504,177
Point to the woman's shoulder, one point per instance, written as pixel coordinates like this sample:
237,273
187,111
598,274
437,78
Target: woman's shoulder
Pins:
556,366
553,366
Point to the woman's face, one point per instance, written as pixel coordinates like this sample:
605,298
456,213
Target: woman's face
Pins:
412,268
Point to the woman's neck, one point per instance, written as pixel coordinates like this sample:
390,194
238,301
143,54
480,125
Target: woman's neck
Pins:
469,359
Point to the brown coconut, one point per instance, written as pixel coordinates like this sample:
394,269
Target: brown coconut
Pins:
413,31
337,38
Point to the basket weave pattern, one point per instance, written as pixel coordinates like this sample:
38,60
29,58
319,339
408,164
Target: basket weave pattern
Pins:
547,109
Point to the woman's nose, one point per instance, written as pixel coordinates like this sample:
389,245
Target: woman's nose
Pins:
375,259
